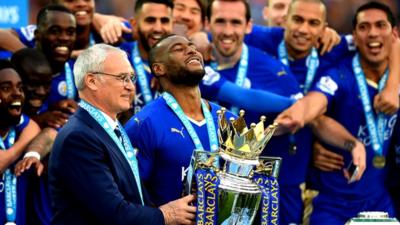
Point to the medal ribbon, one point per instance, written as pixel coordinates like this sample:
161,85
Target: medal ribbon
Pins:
376,128
241,73
212,132
10,189
141,74
70,81
126,147
312,62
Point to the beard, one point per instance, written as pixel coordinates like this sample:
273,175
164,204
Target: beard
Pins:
8,120
187,77
144,41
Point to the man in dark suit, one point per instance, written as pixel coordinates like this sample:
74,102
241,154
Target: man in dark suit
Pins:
93,170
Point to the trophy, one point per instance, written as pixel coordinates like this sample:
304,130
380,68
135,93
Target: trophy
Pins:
232,183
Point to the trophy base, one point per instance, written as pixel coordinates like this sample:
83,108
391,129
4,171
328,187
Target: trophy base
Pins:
239,200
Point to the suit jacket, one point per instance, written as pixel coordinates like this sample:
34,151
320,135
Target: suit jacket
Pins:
91,182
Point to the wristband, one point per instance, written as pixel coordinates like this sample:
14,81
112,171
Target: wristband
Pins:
32,154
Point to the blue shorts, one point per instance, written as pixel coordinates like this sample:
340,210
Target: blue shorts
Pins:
332,210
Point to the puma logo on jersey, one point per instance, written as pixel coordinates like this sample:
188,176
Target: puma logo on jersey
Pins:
281,73
174,130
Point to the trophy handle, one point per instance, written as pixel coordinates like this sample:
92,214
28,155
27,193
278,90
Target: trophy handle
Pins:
269,165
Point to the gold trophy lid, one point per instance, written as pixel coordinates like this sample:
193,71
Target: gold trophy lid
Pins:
239,141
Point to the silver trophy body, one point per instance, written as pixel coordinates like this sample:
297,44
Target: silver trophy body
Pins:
239,196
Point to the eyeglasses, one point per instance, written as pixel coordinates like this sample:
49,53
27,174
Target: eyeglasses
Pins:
125,78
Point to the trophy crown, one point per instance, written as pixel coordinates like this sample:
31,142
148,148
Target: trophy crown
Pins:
239,141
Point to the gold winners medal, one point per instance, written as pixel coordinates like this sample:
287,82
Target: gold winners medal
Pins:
379,161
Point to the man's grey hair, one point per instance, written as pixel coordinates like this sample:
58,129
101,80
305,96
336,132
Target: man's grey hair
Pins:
92,60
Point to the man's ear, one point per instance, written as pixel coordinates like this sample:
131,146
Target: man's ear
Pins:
91,81
266,13
249,26
159,69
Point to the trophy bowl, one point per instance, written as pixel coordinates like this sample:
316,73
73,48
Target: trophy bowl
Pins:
234,183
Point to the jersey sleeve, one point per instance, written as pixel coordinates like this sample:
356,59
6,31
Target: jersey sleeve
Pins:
23,123
26,35
265,38
141,135
211,84
328,84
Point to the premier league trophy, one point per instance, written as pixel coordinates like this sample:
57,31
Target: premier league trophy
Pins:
232,183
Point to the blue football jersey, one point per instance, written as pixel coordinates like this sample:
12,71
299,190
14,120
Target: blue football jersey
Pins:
339,85
165,148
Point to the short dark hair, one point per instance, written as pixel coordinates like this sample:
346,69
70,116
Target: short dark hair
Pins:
42,14
375,5
203,7
246,4
139,4
25,57
153,53
6,64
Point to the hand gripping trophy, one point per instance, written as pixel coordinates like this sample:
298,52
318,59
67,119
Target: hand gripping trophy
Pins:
232,184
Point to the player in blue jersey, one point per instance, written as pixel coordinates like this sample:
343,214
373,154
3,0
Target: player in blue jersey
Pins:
55,37
153,20
294,46
90,27
247,66
229,21
338,90
13,122
175,132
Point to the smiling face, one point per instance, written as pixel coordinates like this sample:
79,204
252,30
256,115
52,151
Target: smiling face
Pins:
304,26
152,22
115,95
56,37
83,10
188,12
228,26
181,62
37,85
11,96
373,36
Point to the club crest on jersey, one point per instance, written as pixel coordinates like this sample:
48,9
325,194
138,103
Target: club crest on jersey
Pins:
62,88
211,76
327,85
175,130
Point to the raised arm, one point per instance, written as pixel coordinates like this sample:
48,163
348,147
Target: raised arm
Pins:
39,148
13,153
303,111
9,41
387,101
110,27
